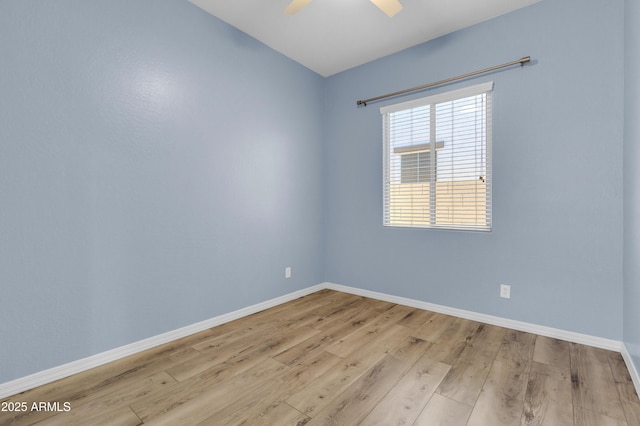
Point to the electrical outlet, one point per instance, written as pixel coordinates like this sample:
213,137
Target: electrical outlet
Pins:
287,272
505,291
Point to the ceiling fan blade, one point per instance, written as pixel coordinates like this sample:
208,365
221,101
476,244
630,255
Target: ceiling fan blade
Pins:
295,6
390,7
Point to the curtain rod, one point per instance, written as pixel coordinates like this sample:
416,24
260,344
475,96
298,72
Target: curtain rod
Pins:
520,61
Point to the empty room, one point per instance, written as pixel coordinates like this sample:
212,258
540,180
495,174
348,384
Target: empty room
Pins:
327,212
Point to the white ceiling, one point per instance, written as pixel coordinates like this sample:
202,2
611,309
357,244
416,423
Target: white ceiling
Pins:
330,36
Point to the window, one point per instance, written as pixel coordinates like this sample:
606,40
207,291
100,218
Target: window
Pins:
437,161
415,168
415,162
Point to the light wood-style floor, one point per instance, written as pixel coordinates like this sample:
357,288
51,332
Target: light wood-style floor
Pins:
332,358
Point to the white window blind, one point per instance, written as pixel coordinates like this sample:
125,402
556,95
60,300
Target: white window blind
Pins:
437,161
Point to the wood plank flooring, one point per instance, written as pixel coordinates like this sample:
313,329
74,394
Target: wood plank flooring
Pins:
332,358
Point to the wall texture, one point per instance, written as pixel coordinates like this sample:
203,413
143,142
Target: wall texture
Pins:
157,168
557,156
632,182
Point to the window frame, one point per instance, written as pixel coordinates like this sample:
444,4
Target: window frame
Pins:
432,101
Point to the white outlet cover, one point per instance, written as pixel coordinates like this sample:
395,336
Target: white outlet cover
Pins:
505,291
287,272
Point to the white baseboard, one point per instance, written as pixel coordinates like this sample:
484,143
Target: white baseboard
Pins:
47,376
41,378
633,371
570,336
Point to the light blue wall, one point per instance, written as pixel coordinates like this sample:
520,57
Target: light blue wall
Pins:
557,157
157,168
632,182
